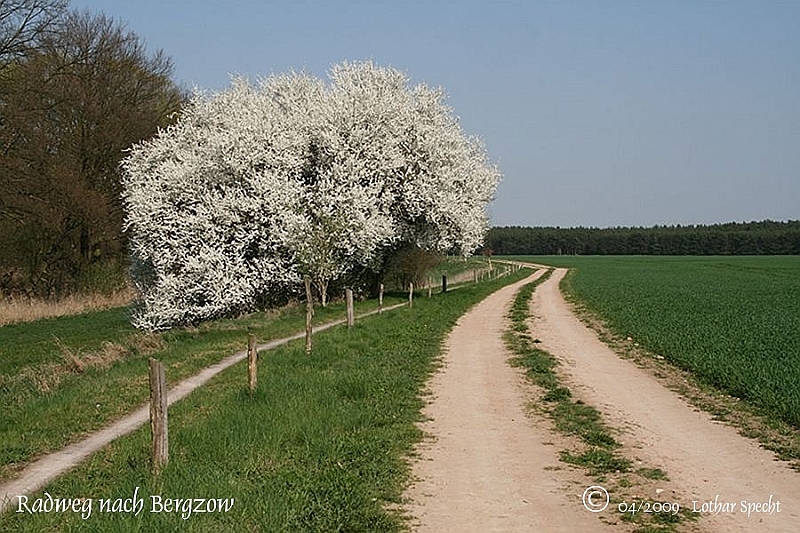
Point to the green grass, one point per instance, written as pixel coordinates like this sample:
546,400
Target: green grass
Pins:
652,473
570,417
321,445
597,460
31,343
48,402
732,321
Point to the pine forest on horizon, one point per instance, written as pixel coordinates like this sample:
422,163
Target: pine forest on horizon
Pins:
735,238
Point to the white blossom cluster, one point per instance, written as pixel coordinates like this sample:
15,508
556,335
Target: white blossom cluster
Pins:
257,186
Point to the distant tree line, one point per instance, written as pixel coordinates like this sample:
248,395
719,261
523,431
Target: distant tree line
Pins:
749,238
76,91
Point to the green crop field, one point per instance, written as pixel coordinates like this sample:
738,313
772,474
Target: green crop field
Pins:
733,321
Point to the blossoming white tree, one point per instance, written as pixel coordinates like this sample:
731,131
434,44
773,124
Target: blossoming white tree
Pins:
203,199
257,187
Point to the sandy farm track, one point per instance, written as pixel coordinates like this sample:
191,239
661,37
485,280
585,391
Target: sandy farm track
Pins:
488,467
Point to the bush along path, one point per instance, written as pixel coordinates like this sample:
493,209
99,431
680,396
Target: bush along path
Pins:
701,466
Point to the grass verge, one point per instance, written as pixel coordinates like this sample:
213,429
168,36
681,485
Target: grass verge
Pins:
62,378
590,444
321,445
21,309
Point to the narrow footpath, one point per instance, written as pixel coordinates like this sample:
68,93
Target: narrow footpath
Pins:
46,468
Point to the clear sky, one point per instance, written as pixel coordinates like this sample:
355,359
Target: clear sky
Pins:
598,113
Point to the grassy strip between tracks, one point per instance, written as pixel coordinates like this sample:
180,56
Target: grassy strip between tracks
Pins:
590,443
321,445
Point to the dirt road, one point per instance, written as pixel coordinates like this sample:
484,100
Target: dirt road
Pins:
705,460
488,467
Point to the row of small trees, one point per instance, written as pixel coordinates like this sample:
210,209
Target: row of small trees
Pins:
260,186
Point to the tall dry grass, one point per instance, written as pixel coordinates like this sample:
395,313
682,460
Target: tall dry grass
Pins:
20,309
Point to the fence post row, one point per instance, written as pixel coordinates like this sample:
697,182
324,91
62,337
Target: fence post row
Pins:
158,415
158,380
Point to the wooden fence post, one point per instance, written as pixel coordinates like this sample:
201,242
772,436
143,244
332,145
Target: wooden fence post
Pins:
444,282
158,415
380,299
252,359
410,294
430,286
309,313
351,316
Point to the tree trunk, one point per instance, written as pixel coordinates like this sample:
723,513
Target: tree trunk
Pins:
322,288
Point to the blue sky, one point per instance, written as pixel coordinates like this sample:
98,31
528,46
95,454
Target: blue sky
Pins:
598,113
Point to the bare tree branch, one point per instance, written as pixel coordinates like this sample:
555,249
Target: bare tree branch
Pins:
23,23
